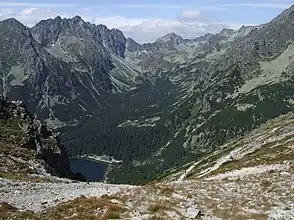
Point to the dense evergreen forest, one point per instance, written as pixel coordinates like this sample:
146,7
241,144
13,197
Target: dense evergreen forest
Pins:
102,135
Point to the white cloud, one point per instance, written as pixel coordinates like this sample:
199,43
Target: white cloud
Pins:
151,6
190,14
190,24
28,16
258,5
118,21
28,4
151,30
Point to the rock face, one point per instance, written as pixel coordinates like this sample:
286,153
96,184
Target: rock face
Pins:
61,67
55,31
29,133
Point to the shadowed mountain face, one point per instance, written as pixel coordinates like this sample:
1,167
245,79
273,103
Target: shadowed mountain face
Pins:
157,105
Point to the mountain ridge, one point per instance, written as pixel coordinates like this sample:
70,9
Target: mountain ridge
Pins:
201,126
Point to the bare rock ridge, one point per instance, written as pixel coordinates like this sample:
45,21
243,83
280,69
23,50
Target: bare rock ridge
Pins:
53,31
31,142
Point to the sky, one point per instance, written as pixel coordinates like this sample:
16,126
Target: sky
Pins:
145,21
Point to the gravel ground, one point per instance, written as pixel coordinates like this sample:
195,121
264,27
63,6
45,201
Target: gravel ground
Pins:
38,196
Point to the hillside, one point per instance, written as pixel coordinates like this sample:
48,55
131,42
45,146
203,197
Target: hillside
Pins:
249,178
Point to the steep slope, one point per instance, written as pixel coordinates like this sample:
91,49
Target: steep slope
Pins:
248,178
28,150
66,70
92,49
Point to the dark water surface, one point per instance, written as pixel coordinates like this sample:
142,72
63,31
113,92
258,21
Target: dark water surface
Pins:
91,170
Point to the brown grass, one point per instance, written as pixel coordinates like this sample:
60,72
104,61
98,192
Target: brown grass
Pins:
164,189
159,206
266,183
115,197
86,208
80,208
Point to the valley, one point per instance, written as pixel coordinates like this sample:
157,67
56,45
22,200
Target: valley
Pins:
179,98
94,125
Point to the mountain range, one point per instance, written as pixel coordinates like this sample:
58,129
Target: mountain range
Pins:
184,128
155,106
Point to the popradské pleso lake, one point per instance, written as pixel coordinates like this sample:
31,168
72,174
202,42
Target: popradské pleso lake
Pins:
93,171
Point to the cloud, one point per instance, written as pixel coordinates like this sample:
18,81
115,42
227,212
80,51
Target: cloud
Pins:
118,21
28,16
151,30
38,5
150,6
190,14
258,5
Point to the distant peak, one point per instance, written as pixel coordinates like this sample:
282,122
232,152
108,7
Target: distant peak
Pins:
244,28
58,18
169,36
172,35
226,32
129,39
77,18
13,23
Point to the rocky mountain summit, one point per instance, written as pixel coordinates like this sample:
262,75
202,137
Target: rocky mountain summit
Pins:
28,149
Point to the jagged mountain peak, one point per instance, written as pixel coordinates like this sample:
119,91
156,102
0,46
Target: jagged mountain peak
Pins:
169,37
132,45
58,18
77,18
129,39
226,32
12,22
49,32
246,28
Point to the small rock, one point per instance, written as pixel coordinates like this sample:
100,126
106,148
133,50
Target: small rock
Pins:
192,213
285,174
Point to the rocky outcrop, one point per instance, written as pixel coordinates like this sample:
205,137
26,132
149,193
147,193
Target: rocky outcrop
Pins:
34,135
